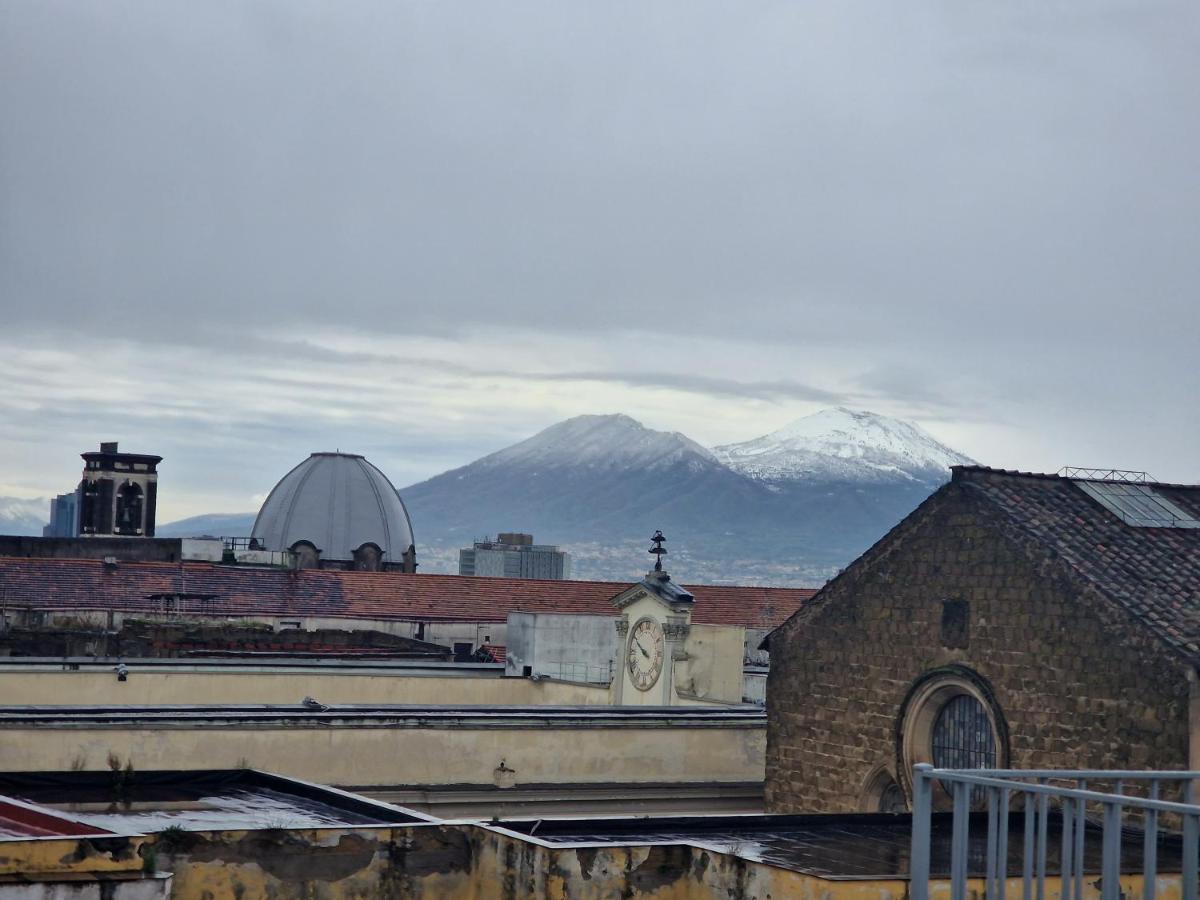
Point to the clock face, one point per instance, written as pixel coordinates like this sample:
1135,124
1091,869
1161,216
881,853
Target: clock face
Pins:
645,653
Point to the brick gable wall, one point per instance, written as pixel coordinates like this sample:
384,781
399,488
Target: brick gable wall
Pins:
1080,683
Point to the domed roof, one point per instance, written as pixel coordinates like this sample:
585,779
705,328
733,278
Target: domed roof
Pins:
337,502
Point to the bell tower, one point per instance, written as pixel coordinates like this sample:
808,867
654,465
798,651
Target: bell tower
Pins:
118,493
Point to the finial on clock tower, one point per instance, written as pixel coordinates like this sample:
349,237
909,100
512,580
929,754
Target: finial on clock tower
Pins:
658,550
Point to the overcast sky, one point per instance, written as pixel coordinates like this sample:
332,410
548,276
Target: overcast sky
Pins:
233,233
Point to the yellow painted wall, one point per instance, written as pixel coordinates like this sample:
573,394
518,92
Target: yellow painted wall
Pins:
156,687
713,667
466,862
57,856
385,756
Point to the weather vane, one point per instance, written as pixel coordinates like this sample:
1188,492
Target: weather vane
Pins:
658,550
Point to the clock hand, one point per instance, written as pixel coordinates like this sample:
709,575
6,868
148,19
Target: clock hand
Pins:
640,647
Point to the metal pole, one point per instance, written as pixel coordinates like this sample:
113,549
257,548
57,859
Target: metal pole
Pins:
1027,856
1150,848
993,834
1041,843
918,885
1081,818
1191,831
1110,866
1068,843
958,842
1002,846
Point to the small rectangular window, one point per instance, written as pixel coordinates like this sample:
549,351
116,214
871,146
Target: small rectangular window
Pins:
956,623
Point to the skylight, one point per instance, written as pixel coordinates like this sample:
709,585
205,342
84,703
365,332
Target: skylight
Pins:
1139,505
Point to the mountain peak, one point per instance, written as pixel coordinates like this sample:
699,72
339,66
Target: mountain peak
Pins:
843,444
602,441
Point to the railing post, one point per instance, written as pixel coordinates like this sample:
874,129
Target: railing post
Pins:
918,885
1027,855
1110,860
1002,846
1150,848
1191,833
960,841
1042,839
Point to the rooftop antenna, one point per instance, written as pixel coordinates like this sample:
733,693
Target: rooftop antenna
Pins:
658,550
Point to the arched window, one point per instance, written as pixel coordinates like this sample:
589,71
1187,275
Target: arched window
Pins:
951,720
368,558
881,794
129,508
307,555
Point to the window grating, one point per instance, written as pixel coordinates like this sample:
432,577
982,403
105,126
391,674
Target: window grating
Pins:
1139,505
962,736
963,739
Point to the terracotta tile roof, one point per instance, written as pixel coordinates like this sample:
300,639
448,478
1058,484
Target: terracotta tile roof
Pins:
243,591
1154,572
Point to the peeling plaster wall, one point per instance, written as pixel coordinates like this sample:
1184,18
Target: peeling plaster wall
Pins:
407,755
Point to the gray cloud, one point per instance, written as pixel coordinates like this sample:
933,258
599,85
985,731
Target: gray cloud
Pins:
974,214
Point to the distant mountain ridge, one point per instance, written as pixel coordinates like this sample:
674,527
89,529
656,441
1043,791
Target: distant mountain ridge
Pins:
792,506
789,507
20,516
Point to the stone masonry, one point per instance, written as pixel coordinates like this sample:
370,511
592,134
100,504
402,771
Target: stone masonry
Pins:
1079,681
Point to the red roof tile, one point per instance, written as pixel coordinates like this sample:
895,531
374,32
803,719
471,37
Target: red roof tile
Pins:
244,591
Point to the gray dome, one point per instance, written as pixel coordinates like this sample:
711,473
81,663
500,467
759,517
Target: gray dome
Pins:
337,502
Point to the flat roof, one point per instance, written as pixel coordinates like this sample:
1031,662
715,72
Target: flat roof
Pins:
201,800
356,665
385,715
837,847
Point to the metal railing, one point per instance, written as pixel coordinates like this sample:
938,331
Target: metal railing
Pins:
1034,791
1129,476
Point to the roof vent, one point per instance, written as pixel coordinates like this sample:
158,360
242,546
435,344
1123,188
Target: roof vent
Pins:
110,562
1128,476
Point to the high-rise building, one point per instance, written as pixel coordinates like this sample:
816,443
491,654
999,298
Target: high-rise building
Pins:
514,555
64,516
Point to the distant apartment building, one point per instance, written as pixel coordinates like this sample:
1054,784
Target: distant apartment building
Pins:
64,516
515,556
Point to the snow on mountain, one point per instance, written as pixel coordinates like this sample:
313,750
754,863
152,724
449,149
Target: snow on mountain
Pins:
611,442
843,445
24,517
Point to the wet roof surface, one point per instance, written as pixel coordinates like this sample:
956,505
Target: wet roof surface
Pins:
197,801
838,847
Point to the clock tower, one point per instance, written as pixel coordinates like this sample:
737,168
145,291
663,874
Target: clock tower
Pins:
655,621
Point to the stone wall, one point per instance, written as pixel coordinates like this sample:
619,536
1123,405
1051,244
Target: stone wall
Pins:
1076,681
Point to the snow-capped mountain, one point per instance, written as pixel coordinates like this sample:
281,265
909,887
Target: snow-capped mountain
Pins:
844,445
787,508
25,517
587,478
609,443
